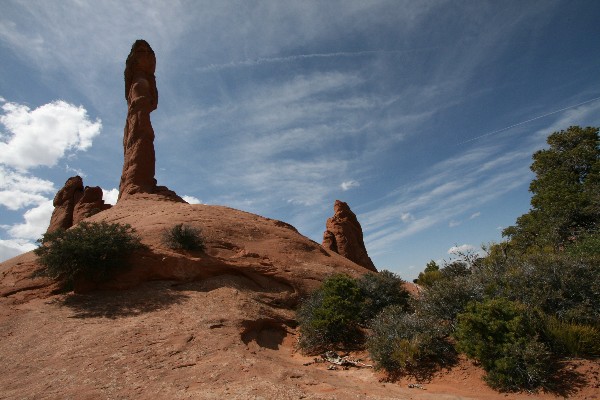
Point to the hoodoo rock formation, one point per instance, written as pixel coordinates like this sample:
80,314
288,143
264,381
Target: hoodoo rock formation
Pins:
344,236
90,203
73,203
141,94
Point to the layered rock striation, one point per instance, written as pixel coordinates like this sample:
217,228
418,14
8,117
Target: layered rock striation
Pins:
344,236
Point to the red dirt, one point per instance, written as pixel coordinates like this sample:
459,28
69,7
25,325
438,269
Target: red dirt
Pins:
199,325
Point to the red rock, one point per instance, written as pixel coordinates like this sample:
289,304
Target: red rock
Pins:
141,94
73,203
344,236
89,204
64,204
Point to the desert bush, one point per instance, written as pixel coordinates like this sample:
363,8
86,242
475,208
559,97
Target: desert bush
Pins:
561,285
381,290
402,342
445,299
330,316
184,237
92,250
571,339
503,336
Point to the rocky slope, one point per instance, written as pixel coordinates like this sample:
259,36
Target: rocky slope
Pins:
192,325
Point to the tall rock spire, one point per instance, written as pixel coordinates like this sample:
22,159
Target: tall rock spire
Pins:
138,140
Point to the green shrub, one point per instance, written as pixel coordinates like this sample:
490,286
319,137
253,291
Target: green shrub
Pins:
445,299
572,339
502,335
91,250
330,316
402,342
561,285
184,237
381,290
527,364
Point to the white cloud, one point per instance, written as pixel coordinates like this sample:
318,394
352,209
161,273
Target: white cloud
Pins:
12,248
453,224
18,190
36,222
40,137
475,215
110,196
349,185
192,199
460,249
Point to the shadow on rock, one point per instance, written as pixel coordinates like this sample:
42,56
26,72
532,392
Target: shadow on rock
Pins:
149,297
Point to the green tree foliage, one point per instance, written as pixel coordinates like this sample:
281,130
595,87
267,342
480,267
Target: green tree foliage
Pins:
430,275
90,250
184,237
381,290
330,316
502,335
566,192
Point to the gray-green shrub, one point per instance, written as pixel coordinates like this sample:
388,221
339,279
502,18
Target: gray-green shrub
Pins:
381,290
400,341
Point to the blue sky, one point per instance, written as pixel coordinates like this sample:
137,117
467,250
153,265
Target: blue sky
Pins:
422,115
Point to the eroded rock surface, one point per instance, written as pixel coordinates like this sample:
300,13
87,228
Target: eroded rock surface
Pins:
64,204
89,204
74,202
344,236
141,93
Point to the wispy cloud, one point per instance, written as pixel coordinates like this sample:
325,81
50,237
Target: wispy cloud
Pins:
347,185
300,57
475,215
532,119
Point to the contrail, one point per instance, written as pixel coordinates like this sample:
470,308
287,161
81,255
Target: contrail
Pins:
529,120
259,61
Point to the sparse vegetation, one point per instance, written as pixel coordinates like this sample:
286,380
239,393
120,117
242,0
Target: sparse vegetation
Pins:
529,301
330,316
90,250
182,236
334,315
